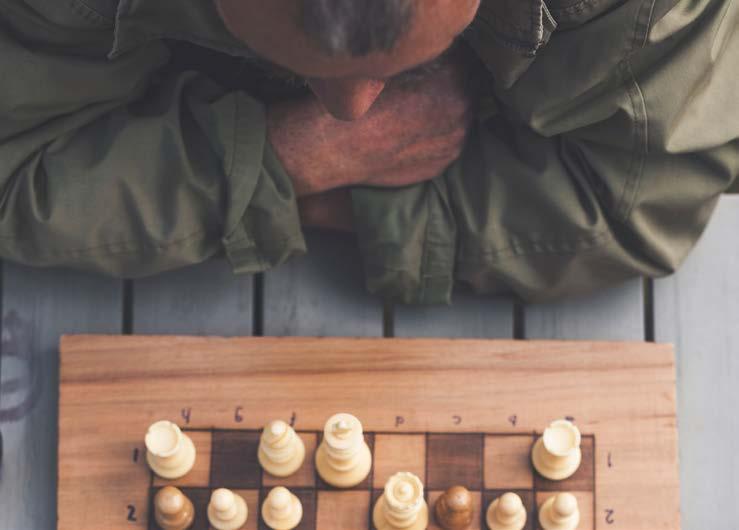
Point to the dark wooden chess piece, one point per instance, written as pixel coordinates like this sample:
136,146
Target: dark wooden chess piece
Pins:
454,510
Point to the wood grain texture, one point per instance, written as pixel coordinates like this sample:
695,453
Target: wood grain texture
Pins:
112,388
203,299
38,306
469,317
321,293
613,314
698,309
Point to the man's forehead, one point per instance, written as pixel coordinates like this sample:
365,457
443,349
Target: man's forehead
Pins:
273,30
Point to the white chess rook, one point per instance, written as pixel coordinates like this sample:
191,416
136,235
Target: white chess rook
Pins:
170,453
343,459
281,450
557,454
560,513
506,513
281,509
401,506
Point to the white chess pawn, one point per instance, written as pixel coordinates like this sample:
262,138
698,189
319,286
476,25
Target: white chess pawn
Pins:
401,505
343,459
559,512
172,510
557,455
507,512
281,451
281,509
227,510
170,453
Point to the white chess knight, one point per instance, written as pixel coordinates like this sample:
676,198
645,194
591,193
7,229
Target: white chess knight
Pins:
343,459
401,505
170,453
560,512
281,509
557,454
227,510
281,450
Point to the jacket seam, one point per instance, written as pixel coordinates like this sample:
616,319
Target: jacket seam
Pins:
88,12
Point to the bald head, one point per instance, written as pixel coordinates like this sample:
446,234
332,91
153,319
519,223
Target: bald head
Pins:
348,49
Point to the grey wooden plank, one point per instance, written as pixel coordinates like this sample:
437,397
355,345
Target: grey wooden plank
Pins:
697,309
38,307
321,293
612,314
205,299
470,316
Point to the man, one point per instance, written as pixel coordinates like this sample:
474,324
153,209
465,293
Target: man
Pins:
525,146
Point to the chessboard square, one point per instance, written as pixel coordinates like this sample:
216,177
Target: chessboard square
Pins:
234,463
508,461
200,497
585,503
527,497
366,484
307,498
305,476
454,459
252,505
584,477
398,452
343,510
199,475
477,522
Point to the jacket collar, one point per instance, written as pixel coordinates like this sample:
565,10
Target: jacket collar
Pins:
506,34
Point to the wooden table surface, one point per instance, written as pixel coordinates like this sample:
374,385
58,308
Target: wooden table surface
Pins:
322,294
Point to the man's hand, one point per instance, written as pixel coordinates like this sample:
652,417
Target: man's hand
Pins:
411,134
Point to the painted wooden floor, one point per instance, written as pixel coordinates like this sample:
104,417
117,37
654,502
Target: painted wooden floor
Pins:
322,294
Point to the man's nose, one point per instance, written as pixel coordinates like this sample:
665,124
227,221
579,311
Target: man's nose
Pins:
347,99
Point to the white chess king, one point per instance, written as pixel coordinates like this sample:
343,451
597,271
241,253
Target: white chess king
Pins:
343,459
170,453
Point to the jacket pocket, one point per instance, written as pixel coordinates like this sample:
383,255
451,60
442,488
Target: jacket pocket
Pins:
573,13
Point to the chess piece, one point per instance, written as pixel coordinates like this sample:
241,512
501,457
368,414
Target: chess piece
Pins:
559,512
281,451
343,459
401,506
557,454
172,510
454,509
170,453
282,510
227,510
507,512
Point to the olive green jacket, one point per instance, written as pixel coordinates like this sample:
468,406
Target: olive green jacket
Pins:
609,131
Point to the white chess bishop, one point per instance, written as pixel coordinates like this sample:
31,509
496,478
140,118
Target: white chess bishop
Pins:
560,512
557,454
170,453
401,505
343,459
281,509
281,450
227,510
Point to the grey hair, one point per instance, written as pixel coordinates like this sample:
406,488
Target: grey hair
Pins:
356,27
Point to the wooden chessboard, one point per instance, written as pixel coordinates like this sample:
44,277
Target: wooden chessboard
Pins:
451,411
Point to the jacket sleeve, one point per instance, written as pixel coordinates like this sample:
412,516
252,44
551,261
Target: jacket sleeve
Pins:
604,161
120,167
